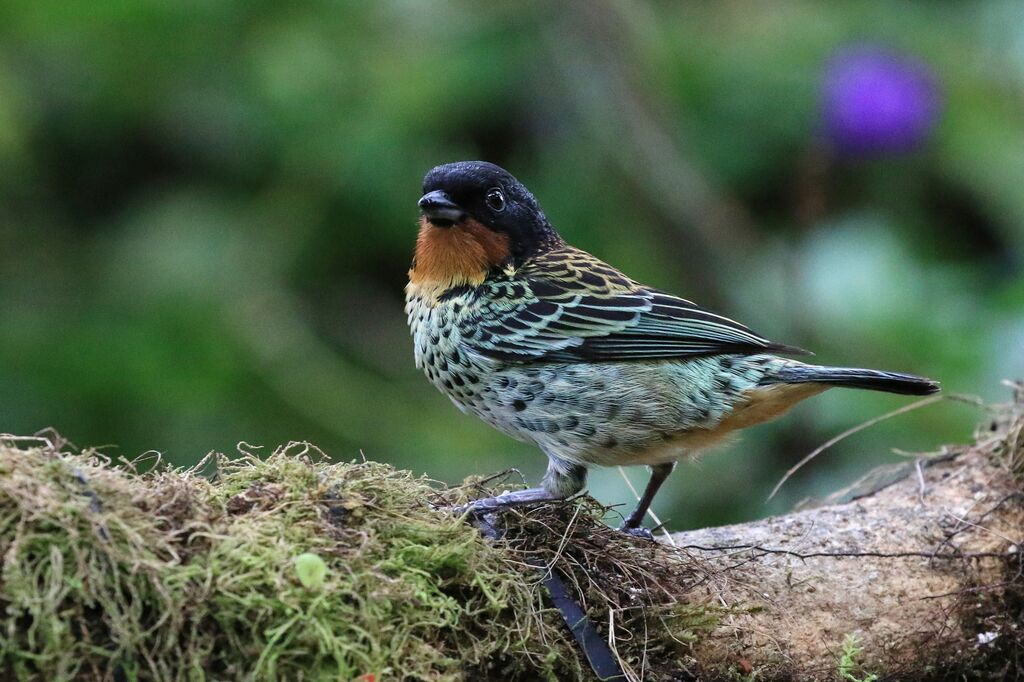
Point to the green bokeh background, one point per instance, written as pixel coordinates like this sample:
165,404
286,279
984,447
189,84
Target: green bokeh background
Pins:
207,210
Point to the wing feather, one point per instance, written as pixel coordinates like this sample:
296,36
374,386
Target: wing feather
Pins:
567,306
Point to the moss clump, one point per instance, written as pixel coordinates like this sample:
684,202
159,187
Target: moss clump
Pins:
295,568
109,574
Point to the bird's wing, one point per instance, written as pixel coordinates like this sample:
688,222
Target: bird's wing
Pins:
567,306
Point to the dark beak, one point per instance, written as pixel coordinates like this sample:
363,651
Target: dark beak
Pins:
440,209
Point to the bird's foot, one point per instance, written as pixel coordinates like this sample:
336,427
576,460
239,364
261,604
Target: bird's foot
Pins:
483,513
637,532
486,505
514,498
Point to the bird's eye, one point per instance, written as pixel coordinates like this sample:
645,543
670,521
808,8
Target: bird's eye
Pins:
495,200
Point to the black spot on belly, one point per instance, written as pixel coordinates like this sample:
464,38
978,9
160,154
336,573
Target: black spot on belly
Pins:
518,405
610,442
571,423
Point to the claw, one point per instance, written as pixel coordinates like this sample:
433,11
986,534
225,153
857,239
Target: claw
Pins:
478,507
639,532
482,516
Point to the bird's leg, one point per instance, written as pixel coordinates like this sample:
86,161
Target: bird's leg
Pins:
659,472
562,480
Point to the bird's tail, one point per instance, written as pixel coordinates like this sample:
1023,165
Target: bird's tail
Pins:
871,379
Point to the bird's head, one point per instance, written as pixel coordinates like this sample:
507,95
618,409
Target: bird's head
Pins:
475,217
479,191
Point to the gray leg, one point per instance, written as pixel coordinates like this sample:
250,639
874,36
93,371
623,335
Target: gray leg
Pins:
562,480
659,472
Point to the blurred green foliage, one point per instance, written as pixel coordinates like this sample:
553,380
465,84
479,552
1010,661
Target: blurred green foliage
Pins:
207,210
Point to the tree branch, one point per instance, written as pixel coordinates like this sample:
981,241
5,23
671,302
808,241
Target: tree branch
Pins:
923,573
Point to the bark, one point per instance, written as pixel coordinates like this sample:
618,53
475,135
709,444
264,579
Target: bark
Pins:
913,573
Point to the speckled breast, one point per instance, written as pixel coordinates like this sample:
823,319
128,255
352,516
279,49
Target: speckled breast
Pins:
438,351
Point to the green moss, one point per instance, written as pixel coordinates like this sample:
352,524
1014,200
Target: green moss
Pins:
295,568
170,576
690,622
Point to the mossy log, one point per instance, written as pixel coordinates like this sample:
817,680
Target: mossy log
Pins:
290,567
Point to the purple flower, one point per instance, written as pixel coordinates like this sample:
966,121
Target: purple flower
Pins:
876,101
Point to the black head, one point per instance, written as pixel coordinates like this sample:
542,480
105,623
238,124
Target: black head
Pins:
481,191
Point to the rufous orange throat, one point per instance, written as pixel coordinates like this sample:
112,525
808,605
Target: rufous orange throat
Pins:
460,254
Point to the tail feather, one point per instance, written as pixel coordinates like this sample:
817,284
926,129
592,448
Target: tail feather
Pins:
850,377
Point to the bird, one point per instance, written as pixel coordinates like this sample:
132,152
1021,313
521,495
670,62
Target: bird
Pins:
554,347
